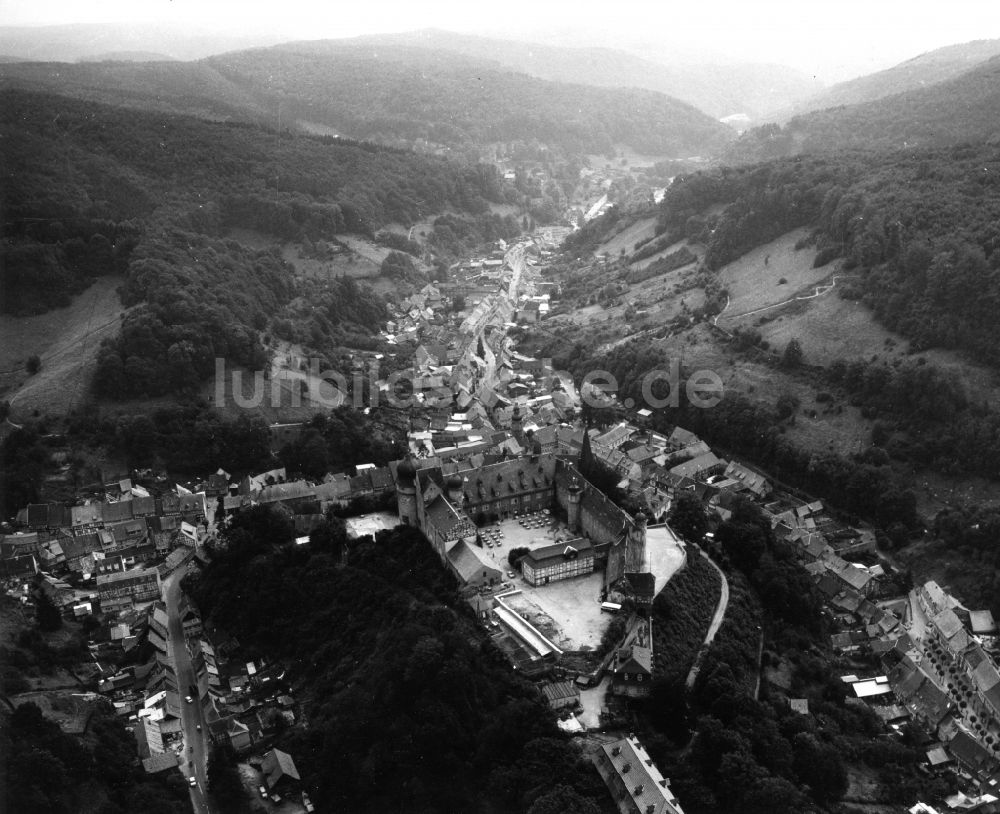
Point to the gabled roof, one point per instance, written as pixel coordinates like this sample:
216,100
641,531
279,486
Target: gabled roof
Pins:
647,788
697,466
276,765
570,549
560,690
466,564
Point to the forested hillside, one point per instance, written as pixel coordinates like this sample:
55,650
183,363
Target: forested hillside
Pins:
405,697
719,90
407,94
395,95
921,230
927,69
965,108
93,189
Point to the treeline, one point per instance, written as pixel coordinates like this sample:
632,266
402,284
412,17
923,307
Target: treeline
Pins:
453,235
24,459
399,683
50,772
37,275
920,229
681,615
185,439
662,265
337,442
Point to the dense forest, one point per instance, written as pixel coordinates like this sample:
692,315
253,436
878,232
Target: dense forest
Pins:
403,693
94,190
50,772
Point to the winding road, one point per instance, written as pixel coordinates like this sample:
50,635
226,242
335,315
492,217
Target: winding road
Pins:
713,628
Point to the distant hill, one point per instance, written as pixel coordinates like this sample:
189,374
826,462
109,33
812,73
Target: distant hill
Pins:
719,90
402,94
963,109
395,95
128,56
69,43
186,88
920,72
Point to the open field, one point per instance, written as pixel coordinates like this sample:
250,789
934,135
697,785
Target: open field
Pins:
67,340
753,279
628,237
340,265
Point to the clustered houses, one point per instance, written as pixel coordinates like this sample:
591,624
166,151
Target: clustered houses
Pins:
937,656
104,549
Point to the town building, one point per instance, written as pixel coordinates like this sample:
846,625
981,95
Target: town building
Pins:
119,590
633,780
280,775
565,560
631,667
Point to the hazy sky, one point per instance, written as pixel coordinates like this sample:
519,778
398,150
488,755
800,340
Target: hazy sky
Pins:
832,39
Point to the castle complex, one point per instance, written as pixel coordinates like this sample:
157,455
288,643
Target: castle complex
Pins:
449,501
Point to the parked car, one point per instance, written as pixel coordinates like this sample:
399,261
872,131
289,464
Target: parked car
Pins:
510,574
188,698
263,791
192,781
198,727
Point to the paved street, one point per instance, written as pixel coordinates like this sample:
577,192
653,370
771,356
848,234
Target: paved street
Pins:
191,714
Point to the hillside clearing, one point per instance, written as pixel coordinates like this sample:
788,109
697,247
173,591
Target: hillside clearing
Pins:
628,237
67,340
754,280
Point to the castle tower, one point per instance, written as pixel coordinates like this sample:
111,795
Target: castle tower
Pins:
573,509
517,423
406,492
456,495
636,540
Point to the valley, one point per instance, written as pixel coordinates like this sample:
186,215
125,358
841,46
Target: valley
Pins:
301,465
